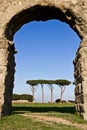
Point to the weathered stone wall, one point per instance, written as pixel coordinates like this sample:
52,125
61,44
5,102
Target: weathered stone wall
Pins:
14,14
80,75
7,64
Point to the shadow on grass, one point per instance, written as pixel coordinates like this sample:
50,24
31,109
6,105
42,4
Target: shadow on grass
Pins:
23,109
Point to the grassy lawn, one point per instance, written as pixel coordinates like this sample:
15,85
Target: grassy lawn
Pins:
18,122
62,110
46,107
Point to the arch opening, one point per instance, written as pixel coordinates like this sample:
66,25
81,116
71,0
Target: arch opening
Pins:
54,43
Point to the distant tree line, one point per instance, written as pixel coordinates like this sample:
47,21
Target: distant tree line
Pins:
23,97
61,83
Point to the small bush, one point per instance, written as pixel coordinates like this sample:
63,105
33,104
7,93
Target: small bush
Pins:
57,100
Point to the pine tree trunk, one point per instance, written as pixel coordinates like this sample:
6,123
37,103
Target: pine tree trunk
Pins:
51,95
51,88
42,93
61,94
33,92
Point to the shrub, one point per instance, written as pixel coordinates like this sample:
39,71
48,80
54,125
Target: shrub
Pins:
23,97
16,97
57,100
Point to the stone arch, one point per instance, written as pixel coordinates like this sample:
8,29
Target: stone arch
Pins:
38,13
14,14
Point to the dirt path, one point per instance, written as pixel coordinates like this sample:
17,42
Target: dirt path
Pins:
51,119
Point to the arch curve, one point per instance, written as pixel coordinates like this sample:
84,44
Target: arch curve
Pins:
39,13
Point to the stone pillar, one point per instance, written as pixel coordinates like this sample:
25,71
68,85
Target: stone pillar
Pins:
80,74
7,69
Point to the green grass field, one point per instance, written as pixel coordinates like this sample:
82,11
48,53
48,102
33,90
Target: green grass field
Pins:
18,122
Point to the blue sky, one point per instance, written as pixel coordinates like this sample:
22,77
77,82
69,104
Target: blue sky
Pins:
45,51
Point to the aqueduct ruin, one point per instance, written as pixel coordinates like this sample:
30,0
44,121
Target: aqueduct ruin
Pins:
14,14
